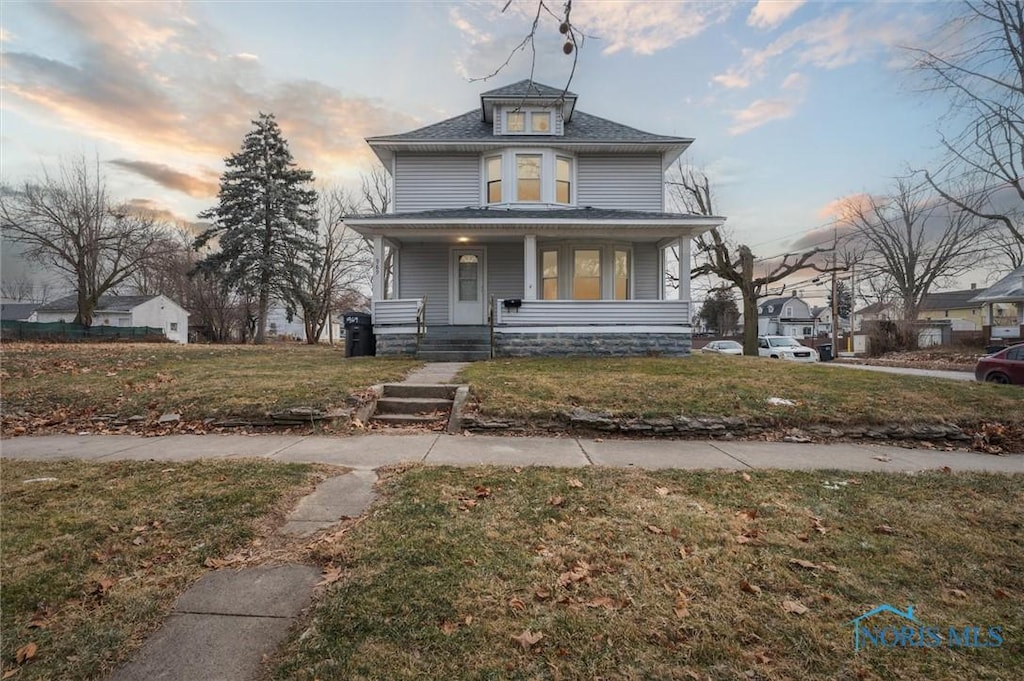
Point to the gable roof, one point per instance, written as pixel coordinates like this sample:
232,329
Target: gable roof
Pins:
948,300
1010,288
15,312
776,305
875,308
104,304
526,88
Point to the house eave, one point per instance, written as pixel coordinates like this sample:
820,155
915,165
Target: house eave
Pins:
512,227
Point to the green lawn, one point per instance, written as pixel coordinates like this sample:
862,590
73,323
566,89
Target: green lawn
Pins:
92,560
582,574
71,382
731,386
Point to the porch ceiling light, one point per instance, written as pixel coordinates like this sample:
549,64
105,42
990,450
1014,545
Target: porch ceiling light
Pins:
463,239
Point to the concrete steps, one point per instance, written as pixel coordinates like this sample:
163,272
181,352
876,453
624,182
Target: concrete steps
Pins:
411,404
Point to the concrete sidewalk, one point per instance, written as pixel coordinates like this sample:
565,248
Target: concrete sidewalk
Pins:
375,450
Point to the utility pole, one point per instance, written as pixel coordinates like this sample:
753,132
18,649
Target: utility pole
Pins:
835,297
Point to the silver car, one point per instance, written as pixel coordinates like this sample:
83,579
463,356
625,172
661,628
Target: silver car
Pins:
723,347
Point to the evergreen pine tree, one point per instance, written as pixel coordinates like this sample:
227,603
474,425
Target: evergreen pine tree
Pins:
264,217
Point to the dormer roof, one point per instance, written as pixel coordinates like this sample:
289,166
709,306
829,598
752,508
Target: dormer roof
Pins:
527,92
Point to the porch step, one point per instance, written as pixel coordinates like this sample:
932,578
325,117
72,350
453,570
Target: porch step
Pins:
454,355
412,405
441,392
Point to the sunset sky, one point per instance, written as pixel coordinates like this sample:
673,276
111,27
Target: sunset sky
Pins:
794,105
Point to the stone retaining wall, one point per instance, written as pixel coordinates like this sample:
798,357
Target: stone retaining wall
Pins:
581,420
610,344
393,344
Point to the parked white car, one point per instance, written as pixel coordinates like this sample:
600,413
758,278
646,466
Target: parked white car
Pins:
723,347
785,347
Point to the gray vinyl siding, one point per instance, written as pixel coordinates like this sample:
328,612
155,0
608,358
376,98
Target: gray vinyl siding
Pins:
646,277
423,271
433,181
624,182
505,270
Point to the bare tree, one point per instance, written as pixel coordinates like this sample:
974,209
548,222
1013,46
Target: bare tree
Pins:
24,289
341,263
67,221
716,256
980,69
913,240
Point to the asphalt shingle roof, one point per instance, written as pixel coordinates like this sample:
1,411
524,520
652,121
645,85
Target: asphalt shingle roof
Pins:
946,300
16,311
1009,288
105,304
584,127
470,213
525,88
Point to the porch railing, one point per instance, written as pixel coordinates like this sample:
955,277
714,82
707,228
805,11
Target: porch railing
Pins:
399,312
593,313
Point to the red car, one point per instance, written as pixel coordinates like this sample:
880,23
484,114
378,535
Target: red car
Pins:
1005,366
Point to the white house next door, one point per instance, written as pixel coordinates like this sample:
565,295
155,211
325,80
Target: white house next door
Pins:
467,277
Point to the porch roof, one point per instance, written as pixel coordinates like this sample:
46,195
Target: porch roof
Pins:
514,221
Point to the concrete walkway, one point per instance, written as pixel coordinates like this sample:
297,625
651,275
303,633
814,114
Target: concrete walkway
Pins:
927,373
436,372
372,451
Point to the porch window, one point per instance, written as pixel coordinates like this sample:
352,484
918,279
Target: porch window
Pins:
528,177
549,275
494,179
586,277
515,121
621,275
563,180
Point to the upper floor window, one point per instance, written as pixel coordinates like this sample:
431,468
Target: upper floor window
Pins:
540,122
515,121
528,177
563,180
493,169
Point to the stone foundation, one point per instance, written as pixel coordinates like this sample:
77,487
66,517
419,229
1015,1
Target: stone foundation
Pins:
396,344
555,344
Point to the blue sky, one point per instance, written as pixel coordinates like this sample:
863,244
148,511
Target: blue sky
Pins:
794,105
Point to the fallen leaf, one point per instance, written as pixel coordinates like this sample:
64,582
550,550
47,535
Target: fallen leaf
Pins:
574,482
803,536
746,477
959,593
749,514
749,588
762,657
113,528
449,628
654,529
516,604
946,469
556,501
685,551
542,594
882,457
661,491
1001,593
885,529
580,572
468,620
10,672
598,439
139,540
482,492
330,576
528,639
795,607
26,652
103,586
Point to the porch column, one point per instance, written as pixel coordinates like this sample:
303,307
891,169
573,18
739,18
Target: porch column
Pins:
377,275
684,268
530,267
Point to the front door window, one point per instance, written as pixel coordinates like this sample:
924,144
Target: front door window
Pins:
467,286
469,273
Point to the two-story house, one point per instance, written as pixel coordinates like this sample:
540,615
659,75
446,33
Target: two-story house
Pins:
789,316
529,227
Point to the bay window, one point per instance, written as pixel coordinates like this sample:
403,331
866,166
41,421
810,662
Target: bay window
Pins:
584,271
493,169
549,275
586,274
528,177
532,175
563,180
621,275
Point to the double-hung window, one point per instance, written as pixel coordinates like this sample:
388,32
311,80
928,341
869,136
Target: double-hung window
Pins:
549,275
563,180
493,169
528,177
586,274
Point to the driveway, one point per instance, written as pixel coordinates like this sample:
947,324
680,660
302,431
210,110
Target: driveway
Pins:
930,373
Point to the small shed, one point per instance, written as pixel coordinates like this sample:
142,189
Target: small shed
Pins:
1007,292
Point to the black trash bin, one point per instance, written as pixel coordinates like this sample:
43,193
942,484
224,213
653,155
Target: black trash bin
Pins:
825,352
359,340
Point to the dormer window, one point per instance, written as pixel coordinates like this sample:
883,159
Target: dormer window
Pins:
528,121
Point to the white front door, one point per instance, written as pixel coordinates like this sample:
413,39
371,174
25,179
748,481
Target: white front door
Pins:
468,294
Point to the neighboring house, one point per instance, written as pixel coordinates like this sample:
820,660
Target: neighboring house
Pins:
279,326
537,220
954,306
788,316
1002,305
822,315
17,312
873,313
154,311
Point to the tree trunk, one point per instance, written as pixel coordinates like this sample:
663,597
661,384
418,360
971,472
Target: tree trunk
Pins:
749,321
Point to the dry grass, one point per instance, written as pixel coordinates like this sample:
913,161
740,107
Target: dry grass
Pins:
667,575
731,386
197,381
93,560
